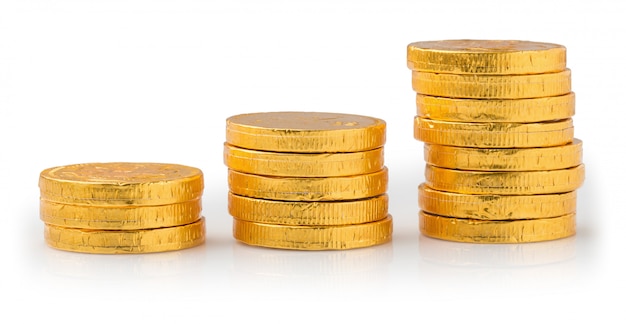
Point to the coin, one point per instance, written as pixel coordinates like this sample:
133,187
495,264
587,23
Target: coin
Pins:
313,237
120,217
125,242
495,207
529,110
494,135
305,132
308,213
515,159
107,184
505,182
492,86
303,164
461,56
497,231
308,189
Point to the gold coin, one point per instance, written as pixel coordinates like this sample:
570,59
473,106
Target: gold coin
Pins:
313,237
467,56
492,86
305,132
497,231
303,164
522,159
495,207
308,189
106,184
125,242
494,135
119,217
505,182
530,110
308,213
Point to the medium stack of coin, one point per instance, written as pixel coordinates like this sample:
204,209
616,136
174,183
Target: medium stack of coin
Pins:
496,119
307,180
114,208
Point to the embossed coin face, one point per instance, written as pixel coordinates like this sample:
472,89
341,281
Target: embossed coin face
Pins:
121,183
485,46
305,132
120,172
487,57
304,121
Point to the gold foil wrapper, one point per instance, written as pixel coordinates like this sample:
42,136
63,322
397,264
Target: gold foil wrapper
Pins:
308,189
488,159
495,207
308,213
497,231
125,242
120,217
467,56
494,135
114,184
305,132
303,164
313,237
492,86
529,110
505,182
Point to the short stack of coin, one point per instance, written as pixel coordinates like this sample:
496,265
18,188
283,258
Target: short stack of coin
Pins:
496,119
307,180
117,208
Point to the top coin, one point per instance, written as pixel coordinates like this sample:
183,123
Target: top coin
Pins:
466,56
305,132
121,183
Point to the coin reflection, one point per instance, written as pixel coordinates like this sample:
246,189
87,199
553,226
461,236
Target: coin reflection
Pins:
130,267
256,268
463,264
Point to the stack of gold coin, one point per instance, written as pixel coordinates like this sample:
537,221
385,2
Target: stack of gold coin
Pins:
307,180
496,119
112,208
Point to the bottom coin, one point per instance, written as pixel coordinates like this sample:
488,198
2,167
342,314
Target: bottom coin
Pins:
125,242
497,231
313,237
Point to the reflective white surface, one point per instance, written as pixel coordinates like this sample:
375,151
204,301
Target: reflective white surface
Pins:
154,81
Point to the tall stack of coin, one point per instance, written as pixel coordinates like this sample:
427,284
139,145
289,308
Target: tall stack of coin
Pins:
112,208
496,119
307,180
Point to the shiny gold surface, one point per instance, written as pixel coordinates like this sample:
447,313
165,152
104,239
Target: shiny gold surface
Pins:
106,184
308,189
125,242
492,86
120,217
306,132
494,135
497,231
530,110
462,56
488,159
313,237
303,164
505,182
308,213
495,207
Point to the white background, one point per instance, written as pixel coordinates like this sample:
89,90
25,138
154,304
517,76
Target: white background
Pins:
154,81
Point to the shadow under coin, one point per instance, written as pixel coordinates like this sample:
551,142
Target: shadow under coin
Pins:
258,269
